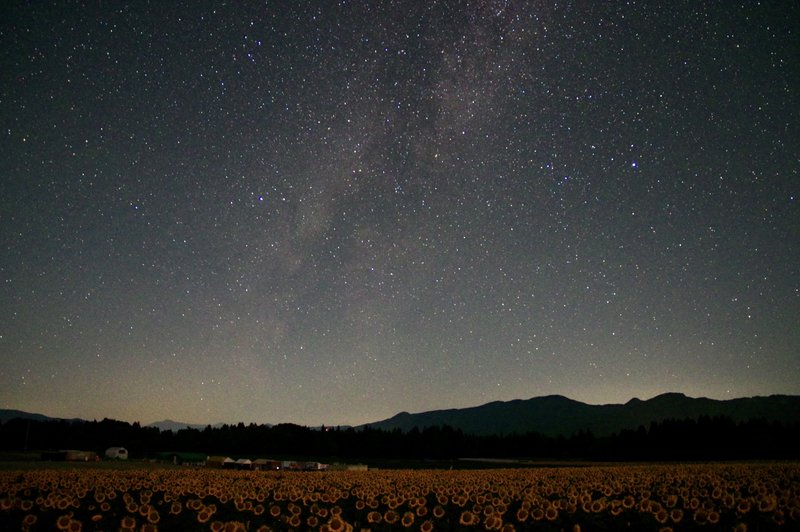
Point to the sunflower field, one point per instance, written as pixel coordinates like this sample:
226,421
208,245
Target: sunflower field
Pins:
648,497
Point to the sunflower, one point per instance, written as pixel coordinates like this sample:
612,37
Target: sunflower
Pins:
467,518
336,524
407,520
426,526
391,517
128,522
743,506
700,516
62,523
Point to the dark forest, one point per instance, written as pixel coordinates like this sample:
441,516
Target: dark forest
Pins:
705,438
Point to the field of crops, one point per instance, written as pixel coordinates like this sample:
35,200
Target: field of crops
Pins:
663,497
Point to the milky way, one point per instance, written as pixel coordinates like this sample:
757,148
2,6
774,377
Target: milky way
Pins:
323,212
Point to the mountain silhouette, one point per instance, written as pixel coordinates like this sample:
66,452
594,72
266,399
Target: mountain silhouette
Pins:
555,415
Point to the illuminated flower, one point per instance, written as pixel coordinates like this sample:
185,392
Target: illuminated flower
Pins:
62,523
336,524
467,518
374,517
700,516
743,506
391,517
767,504
408,519
628,502
152,516
426,526
492,522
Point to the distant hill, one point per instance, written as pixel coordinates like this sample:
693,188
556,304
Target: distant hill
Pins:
556,415
8,414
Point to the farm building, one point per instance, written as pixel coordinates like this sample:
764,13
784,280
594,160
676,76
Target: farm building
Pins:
117,453
220,462
265,464
243,463
70,455
181,458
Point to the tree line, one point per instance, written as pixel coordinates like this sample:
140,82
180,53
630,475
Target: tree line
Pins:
704,438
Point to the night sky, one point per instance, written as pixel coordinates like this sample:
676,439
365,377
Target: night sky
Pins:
320,212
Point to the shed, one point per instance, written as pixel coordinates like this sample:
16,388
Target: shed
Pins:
219,462
265,464
244,463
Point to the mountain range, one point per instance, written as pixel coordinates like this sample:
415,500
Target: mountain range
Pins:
554,415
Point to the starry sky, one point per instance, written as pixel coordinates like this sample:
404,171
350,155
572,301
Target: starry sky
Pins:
330,212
